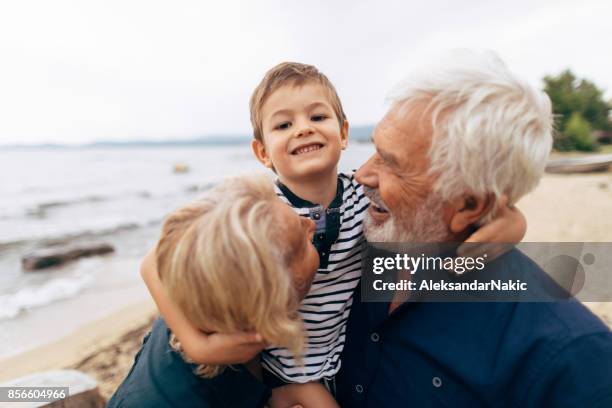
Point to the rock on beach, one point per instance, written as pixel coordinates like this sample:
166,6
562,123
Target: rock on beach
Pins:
46,258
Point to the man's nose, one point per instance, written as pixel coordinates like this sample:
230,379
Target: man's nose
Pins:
366,175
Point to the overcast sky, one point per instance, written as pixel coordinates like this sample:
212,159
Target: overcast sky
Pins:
78,71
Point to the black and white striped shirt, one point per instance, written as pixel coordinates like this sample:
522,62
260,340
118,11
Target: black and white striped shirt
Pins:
326,307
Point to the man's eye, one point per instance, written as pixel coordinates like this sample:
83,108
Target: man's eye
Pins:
284,125
318,118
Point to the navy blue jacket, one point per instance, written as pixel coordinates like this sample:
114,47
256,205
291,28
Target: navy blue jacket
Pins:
160,378
548,354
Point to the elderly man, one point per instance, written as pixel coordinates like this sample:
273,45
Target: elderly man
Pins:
455,139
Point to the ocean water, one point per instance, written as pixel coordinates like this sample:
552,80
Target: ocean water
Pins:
71,196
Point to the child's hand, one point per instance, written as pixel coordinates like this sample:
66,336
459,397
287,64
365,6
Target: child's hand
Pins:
223,348
497,236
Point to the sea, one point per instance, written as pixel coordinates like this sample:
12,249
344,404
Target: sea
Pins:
66,196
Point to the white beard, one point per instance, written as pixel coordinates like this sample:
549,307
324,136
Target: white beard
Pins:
426,225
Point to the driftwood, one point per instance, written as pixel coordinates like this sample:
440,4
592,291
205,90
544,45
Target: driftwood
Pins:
53,257
83,390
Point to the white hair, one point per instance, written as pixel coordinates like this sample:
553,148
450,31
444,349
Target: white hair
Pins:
492,131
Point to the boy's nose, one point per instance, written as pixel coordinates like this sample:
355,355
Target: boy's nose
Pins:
366,174
304,130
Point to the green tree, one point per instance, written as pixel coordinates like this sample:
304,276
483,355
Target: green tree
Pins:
578,134
571,95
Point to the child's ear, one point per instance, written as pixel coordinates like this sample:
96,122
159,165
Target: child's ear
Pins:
468,210
344,132
259,150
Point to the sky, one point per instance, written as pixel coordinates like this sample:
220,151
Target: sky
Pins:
80,71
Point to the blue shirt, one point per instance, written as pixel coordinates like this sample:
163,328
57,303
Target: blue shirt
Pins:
554,354
160,378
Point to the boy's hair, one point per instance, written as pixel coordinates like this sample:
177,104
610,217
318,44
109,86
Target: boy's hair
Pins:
224,262
290,73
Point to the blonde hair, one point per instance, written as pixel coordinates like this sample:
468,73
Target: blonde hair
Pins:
295,74
223,263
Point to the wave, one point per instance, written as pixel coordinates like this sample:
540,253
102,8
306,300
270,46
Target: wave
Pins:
40,210
65,238
12,305
59,239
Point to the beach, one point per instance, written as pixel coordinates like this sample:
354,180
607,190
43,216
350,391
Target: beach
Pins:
103,348
562,208
570,207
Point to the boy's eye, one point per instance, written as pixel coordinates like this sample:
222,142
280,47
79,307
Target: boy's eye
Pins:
284,125
318,118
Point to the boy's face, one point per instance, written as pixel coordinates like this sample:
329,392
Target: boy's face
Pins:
301,134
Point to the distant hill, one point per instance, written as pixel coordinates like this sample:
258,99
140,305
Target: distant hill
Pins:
357,134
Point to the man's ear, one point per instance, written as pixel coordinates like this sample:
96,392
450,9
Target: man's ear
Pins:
344,132
468,210
259,150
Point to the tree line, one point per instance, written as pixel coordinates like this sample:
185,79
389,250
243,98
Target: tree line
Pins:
582,115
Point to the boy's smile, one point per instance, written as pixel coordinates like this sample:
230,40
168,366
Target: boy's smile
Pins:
302,138
308,148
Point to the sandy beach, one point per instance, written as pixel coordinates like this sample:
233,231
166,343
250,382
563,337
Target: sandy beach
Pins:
570,207
104,348
563,208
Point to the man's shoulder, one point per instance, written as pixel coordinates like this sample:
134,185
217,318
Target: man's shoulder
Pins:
580,374
555,326
547,342
554,339
550,309
574,369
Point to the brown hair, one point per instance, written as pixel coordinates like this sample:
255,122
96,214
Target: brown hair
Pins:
295,74
224,262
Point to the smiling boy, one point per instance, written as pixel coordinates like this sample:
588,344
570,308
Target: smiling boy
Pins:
300,130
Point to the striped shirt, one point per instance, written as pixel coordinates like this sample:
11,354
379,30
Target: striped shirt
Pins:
326,307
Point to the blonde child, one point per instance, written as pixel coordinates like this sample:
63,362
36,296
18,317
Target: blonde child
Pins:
239,259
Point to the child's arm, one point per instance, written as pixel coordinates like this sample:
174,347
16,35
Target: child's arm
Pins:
309,395
212,349
508,227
